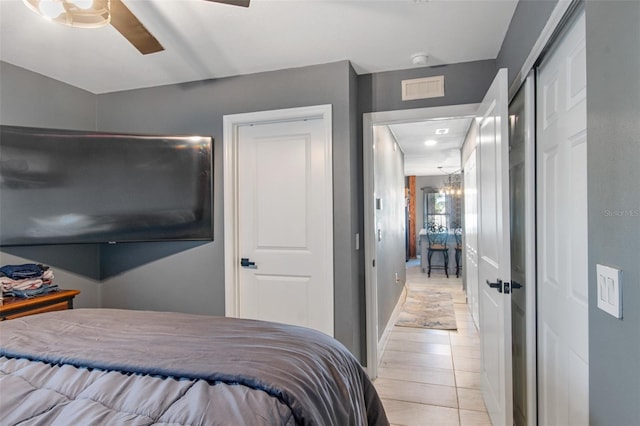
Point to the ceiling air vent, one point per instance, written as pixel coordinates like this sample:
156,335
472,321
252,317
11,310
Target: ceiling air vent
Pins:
423,88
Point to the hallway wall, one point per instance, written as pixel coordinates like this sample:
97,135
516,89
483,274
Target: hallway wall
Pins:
613,153
390,223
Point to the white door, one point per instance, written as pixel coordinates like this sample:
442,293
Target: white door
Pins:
563,352
471,233
284,252
494,252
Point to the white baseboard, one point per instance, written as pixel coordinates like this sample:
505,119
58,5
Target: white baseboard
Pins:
382,343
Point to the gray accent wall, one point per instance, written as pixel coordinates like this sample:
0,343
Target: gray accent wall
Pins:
390,223
30,99
613,155
355,334
527,22
464,83
189,277
193,280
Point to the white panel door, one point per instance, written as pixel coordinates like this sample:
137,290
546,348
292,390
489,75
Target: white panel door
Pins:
563,353
494,252
285,233
471,233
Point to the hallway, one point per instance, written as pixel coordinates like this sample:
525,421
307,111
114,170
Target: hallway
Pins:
432,377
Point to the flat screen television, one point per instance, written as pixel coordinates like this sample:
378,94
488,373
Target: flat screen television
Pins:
69,187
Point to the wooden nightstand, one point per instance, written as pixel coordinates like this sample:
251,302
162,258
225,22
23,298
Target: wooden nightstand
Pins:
16,307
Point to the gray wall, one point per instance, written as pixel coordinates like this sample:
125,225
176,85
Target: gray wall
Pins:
528,20
613,129
151,275
198,108
189,277
464,83
29,99
390,220
356,335
613,153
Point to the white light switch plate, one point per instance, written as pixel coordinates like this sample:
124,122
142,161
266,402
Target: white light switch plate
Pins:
609,290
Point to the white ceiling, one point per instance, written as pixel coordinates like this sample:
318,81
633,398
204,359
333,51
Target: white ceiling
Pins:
206,40
442,158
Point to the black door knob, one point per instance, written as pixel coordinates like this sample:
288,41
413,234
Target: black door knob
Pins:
497,285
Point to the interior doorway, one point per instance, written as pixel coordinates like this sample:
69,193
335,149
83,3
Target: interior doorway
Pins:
493,250
373,232
279,216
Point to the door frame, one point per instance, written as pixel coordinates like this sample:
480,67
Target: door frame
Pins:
495,262
530,257
371,285
231,124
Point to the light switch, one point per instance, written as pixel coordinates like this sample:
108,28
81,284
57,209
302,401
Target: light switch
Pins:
609,290
602,289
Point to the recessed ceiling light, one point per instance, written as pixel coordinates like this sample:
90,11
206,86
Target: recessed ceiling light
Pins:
430,142
442,131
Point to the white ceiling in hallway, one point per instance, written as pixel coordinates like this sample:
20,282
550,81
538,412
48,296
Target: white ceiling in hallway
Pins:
442,158
205,40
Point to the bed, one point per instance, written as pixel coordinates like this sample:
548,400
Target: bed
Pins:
123,367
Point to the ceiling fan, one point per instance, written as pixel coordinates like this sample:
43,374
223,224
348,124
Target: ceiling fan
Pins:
97,13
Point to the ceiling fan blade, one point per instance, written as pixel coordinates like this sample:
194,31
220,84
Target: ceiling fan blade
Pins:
132,29
243,3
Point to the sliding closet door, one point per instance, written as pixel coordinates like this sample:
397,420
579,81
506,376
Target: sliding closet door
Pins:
563,355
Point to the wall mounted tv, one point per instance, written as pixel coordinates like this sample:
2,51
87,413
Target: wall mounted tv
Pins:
69,187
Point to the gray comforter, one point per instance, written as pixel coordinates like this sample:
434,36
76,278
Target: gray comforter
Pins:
106,366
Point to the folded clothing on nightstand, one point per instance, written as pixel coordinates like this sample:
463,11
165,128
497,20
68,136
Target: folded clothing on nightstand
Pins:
26,280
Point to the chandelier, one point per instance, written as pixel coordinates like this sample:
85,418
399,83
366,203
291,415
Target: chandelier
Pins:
74,13
452,185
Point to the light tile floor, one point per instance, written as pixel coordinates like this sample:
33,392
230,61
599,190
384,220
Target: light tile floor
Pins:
432,377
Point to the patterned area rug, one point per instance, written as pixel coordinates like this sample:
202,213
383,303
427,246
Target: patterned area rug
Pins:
428,309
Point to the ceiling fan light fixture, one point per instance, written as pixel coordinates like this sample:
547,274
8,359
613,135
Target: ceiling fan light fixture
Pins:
83,4
74,13
51,9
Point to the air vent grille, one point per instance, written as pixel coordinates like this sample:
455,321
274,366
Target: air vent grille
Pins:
423,88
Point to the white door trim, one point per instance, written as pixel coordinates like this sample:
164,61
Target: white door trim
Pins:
371,285
231,123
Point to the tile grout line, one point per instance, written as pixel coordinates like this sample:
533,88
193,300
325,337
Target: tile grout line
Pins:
455,379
